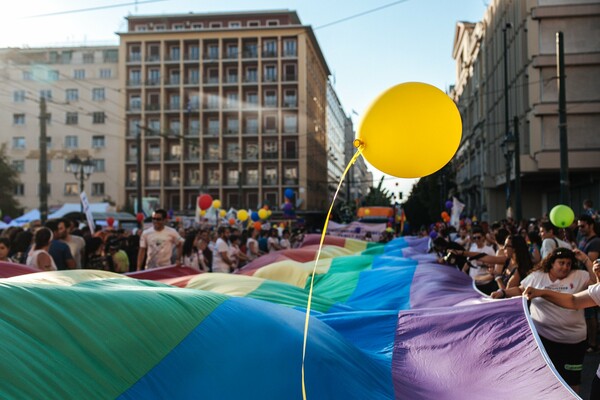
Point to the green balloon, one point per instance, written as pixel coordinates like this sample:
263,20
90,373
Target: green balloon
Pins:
562,216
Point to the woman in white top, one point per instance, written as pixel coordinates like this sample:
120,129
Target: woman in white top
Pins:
562,332
39,257
577,301
252,251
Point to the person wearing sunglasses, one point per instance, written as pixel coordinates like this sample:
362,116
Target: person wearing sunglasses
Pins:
478,269
158,243
562,332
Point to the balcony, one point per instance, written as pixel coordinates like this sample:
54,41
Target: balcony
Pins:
290,181
211,80
173,107
269,54
174,80
211,157
131,182
290,77
270,155
152,107
212,131
153,183
231,55
251,53
251,79
194,132
194,56
290,102
132,158
270,181
192,80
134,82
134,57
153,157
231,79
153,82
153,58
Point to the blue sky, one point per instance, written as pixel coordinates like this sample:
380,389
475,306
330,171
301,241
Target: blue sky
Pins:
409,40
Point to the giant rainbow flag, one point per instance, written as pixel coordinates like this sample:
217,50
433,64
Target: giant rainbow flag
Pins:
387,322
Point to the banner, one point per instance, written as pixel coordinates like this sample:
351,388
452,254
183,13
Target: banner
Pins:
457,209
88,212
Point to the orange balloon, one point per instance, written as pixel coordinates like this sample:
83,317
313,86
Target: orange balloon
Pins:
257,226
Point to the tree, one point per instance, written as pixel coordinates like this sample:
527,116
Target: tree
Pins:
8,181
378,196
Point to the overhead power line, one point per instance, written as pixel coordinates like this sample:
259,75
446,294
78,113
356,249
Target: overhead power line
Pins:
372,10
91,9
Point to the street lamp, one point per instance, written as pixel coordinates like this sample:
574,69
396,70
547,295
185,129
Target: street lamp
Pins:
508,145
81,169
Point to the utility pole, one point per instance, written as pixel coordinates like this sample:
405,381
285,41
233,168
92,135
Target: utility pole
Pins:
518,208
565,197
138,139
43,189
507,26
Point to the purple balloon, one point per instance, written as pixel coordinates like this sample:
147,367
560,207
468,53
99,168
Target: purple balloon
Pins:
433,234
449,204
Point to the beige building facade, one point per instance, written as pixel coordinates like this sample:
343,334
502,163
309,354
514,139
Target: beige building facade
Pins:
80,86
531,92
230,104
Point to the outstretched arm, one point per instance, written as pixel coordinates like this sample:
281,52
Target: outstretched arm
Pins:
575,301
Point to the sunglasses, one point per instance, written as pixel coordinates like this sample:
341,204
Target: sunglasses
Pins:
477,237
157,219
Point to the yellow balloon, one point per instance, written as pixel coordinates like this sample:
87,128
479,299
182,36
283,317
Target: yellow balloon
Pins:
262,213
367,211
202,213
222,213
216,203
242,215
411,130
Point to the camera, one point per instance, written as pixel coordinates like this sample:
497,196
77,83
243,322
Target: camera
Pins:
450,258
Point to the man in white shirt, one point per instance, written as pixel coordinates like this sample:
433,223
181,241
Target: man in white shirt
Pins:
549,240
221,260
158,243
273,241
480,272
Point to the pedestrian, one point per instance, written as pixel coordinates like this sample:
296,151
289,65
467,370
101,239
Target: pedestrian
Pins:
158,242
39,257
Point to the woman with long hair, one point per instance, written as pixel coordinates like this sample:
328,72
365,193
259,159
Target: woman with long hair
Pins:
39,257
562,332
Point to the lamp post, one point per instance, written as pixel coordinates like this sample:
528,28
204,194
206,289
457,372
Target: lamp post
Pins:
81,169
506,143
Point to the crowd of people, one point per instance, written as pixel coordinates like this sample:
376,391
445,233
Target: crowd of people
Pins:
558,269
61,245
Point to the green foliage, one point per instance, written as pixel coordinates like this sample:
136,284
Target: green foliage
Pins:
427,198
8,181
378,197
344,212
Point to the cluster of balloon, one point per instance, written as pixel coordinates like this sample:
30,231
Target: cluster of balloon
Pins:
411,130
562,216
216,204
445,216
205,201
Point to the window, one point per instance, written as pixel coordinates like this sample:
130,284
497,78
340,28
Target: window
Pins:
193,52
253,23
270,48
216,25
213,151
46,94
72,118
270,98
290,176
212,101
178,27
154,76
98,141
48,118
270,73
79,74
71,189
252,151
135,53
197,25
88,58
233,151
272,22
235,24
97,189
72,94
212,75
66,56
289,98
19,189
18,165
251,100
19,96
214,177
289,73
233,125
141,28
232,75
71,142
53,75
175,53
289,47
213,126
270,149
18,119
252,125
153,52
99,165
270,176
98,117
27,76
48,142
105,73
290,123
98,94
232,50
232,100
160,27
154,152
270,124
18,142
252,177
135,102
110,56
251,74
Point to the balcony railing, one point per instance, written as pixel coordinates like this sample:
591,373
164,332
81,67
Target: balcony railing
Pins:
153,157
134,57
270,155
290,77
269,54
153,183
270,181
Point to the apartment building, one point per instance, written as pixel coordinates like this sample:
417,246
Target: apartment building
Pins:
336,160
80,86
230,104
519,38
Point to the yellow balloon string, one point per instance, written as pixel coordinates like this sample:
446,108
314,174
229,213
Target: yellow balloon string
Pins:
360,147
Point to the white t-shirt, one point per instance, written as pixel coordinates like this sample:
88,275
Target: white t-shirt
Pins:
249,244
271,242
549,244
159,245
477,268
77,246
594,292
553,322
284,244
219,265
